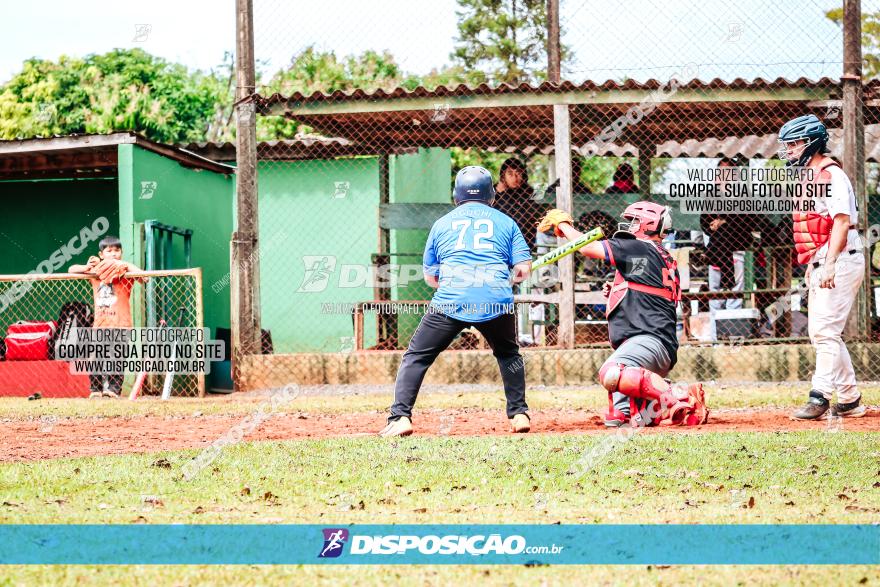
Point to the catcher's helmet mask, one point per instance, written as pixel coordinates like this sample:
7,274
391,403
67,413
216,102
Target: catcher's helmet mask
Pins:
633,228
801,138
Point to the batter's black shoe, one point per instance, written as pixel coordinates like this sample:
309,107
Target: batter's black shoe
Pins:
814,408
850,410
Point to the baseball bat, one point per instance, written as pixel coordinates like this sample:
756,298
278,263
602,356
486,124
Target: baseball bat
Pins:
169,377
142,376
567,249
138,384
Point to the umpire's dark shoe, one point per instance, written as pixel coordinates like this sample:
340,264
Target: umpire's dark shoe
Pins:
813,409
850,410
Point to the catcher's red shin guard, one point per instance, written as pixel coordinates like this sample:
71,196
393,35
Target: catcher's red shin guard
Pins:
639,383
614,417
699,413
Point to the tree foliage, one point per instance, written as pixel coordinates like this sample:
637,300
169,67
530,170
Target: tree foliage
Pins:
120,90
322,71
502,41
315,71
129,89
870,40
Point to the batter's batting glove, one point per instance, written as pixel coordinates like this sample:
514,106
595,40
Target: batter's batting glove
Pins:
553,219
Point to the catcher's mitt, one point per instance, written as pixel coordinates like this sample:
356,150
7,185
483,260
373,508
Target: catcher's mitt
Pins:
552,219
109,270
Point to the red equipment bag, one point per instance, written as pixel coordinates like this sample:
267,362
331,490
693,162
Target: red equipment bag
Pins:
29,341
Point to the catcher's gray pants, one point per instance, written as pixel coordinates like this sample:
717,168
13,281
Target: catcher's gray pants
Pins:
644,351
436,332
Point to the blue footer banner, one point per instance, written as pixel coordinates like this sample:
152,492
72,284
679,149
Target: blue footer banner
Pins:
440,544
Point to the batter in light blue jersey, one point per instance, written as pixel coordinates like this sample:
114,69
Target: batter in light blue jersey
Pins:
471,251
473,256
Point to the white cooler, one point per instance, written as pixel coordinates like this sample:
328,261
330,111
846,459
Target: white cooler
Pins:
740,323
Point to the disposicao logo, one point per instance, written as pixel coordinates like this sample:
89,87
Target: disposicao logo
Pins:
478,545
472,545
334,541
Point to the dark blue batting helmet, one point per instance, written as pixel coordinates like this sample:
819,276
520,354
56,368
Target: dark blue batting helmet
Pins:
473,184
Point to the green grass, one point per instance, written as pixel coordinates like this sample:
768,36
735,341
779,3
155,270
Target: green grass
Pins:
336,576
796,477
679,478
589,397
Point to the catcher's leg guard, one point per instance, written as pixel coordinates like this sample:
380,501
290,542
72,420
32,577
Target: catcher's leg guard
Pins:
699,413
640,384
614,417
609,375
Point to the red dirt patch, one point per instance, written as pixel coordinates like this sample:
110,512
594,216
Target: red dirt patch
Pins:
30,440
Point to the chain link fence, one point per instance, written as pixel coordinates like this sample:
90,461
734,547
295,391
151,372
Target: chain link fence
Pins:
362,132
36,310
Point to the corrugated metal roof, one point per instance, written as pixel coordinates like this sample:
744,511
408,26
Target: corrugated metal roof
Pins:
748,147
307,147
86,155
546,87
762,147
471,116
290,149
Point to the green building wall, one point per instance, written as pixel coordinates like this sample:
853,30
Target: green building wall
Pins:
310,210
200,200
41,217
307,209
314,211
420,178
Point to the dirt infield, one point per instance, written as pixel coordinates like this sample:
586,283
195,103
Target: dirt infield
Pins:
29,440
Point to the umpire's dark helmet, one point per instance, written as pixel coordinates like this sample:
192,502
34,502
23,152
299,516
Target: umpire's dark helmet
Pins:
473,184
805,128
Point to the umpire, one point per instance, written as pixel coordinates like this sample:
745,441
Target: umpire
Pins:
473,256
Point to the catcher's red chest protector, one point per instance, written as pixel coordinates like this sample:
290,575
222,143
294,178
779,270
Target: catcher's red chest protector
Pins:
811,229
670,291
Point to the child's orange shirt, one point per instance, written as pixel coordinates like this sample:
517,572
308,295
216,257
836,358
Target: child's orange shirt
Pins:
112,303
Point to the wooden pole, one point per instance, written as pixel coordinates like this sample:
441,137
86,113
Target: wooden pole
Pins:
554,57
244,270
562,151
854,142
562,165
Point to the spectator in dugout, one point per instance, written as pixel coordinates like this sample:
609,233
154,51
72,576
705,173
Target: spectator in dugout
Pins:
624,181
578,187
516,198
729,237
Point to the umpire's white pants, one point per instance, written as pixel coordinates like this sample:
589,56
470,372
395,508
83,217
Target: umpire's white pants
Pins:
828,312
